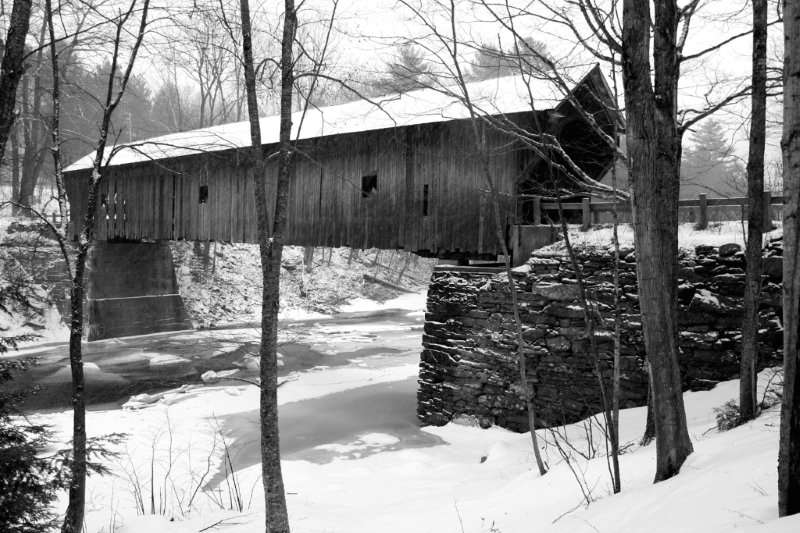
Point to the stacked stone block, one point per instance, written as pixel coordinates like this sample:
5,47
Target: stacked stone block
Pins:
469,359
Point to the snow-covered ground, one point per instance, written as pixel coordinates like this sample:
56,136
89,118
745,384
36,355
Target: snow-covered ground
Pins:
460,479
414,303
221,283
717,234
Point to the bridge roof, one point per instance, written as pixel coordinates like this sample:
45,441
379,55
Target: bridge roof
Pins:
423,106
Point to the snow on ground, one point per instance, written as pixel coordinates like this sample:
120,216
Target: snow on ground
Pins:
221,283
413,302
717,233
50,328
468,480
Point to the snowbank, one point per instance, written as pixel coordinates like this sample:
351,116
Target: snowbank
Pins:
475,481
717,234
413,302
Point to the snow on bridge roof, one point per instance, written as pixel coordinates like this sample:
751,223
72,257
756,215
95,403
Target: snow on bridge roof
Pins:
490,97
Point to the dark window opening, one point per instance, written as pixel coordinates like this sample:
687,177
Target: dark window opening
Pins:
425,200
203,194
369,185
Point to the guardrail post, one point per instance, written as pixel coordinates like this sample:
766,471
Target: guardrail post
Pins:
767,199
537,210
586,215
702,212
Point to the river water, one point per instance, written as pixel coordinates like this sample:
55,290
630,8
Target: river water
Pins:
317,429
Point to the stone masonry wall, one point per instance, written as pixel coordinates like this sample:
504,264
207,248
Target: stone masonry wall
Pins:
468,364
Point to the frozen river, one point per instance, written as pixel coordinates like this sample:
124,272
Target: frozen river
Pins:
315,429
119,368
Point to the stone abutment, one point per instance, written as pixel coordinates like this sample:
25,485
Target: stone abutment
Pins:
469,365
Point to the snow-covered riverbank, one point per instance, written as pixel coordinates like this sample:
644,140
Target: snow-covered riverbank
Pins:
379,476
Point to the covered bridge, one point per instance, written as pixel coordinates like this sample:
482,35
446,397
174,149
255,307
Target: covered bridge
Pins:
402,174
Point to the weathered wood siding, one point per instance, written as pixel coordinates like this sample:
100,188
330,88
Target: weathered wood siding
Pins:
161,199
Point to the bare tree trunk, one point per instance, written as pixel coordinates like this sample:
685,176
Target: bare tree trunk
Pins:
15,165
589,318
73,520
528,389
271,248
11,67
649,423
23,197
755,221
35,138
789,452
653,149
615,380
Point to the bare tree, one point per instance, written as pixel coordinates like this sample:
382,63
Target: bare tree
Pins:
271,248
755,220
73,519
532,58
654,133
654,155
11,67
32,117
789,452
207,55
446,53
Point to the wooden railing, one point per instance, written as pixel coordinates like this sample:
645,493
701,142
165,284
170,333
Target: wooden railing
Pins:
591,210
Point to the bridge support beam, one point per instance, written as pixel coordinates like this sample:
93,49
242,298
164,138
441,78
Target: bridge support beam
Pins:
132,290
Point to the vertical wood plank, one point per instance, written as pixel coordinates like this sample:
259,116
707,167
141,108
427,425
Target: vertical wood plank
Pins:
586,214
767,199
702,212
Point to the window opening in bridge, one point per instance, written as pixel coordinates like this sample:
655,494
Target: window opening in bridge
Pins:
203,194
369,185
425,200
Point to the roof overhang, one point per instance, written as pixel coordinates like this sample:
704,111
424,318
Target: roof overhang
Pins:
500,96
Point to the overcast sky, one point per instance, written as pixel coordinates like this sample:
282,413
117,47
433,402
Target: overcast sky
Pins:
367,35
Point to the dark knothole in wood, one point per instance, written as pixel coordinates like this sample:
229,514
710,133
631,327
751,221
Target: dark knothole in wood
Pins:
425,200
203,194
369,185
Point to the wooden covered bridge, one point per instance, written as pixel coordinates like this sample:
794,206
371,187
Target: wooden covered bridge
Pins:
400,172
